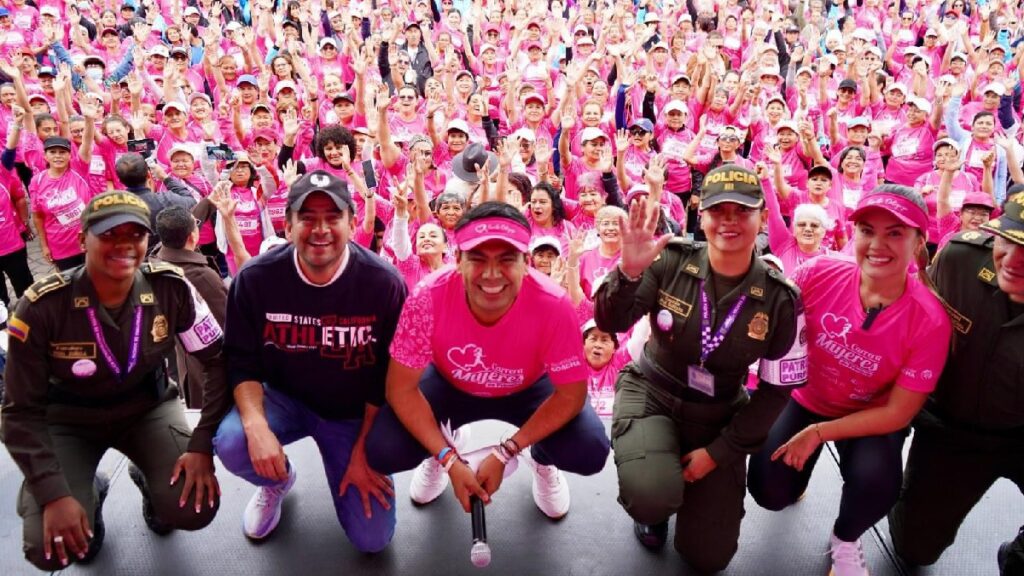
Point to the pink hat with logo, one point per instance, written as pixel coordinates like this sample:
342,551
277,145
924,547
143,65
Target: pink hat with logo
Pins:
479,231
895,200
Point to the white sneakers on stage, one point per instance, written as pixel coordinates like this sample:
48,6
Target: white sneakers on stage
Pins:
847,558
263,511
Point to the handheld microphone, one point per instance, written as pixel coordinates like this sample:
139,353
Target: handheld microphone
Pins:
480,553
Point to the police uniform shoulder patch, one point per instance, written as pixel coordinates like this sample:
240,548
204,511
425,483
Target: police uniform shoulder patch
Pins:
973,237
152,267
780,278
46,285
684,244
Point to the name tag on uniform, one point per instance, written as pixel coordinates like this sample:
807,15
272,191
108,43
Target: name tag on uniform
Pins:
700,379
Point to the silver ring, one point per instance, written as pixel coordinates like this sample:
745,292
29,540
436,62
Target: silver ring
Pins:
58,539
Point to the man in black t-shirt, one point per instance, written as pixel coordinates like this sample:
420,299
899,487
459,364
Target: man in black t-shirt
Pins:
308,330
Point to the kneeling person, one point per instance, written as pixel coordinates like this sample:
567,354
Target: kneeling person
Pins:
460,356
308,330
85,373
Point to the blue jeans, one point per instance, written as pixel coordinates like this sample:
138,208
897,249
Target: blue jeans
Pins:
291,420
580,447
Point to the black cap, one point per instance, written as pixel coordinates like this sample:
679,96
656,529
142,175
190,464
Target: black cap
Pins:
344,96
320,181
820,169
1010,225
111,209
731,183
56,142
848,84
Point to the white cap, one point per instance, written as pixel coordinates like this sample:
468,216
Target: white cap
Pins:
874,50
328,40
51,10
651,17
592,133
176,105
784,124
525,133
485,47
858,121
958,55
864,34
232,26
806,69
181,147
676,105
588,40
284,84
191,10
458,124
921,104
912,50
946,142
896,86
549,241
995,87
930,32
159,50
770,71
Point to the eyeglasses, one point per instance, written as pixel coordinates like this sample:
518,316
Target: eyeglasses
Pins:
728,138
983,212
406,97
637,132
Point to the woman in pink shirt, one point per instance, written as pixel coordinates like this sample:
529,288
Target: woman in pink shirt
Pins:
810,222
911,143
430,250
58,196
546,215
947,162
877,342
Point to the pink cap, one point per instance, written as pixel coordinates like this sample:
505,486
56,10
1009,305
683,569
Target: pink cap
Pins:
979,199
902,208
494,228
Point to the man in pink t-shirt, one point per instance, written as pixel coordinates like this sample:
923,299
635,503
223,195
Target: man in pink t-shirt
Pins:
453,359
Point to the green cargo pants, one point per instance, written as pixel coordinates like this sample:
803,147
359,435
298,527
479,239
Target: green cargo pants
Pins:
153,437
651,431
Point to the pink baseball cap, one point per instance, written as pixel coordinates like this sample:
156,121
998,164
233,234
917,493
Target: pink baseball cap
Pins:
493,228
903,208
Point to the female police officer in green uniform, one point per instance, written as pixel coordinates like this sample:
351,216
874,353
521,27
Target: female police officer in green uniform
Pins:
85,373
683,422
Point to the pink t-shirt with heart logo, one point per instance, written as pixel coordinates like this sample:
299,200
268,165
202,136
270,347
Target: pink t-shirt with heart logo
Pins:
851,369
538,335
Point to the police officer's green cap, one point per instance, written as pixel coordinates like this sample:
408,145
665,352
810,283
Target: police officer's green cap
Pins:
1010,224
731,183
111,209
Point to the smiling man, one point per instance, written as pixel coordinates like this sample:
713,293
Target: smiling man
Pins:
85,373
308,330
489,339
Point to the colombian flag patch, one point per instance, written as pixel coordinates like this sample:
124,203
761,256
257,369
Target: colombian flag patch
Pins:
17,328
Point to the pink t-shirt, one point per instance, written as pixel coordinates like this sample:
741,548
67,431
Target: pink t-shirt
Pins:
601,383
911,153
11,191
593,267
851,369
436,327
60,201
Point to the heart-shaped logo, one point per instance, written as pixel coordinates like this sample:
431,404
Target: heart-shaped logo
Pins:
835,326
467,357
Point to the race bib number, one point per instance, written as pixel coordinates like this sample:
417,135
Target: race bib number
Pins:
276,212
850,197
70,216
974,160
246,224
906,147
97,166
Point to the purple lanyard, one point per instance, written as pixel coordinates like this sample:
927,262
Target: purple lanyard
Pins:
709,343
133,354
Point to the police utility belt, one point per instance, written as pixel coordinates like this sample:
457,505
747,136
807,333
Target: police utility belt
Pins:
154,386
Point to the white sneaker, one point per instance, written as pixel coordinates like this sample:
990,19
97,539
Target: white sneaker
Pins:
550,490
263,511
429,480
847,558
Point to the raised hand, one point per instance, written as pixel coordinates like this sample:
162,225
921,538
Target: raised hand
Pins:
621,140
290,173
639,245
655,173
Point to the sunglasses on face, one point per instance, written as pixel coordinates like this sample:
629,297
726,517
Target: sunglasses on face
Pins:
728,139
406,97
637,132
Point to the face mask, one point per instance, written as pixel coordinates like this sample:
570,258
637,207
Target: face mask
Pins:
94,73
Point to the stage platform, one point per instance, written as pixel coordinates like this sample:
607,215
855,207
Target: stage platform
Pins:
596,537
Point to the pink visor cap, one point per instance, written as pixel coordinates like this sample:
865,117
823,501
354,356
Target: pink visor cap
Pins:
902,208
493,228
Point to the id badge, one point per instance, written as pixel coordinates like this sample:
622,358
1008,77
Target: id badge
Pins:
700,379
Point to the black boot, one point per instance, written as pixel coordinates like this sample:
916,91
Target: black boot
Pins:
651,536
99,531
148,514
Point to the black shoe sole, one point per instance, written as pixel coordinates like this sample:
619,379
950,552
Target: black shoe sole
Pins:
653,536
148,514
99,529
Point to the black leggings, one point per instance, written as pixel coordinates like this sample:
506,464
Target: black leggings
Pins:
871,466
15,265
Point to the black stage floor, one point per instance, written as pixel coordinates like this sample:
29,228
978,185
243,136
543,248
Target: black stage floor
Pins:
594,539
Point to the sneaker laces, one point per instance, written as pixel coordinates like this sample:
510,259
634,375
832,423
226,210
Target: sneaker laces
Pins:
267,494
549,474
848,553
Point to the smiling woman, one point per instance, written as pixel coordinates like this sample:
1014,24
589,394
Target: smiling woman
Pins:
878,338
